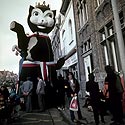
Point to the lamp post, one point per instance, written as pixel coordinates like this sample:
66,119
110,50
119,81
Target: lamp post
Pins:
121,45
119,35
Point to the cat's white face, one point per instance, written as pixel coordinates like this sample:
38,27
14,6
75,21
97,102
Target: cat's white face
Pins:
42,19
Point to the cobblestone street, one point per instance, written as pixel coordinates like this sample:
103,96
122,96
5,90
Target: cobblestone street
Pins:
58,117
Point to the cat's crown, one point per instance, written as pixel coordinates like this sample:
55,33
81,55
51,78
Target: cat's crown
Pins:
42,6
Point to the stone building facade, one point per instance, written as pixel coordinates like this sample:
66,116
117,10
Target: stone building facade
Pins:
97,44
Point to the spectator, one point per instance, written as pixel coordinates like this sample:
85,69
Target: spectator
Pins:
41,93
5,112
106,94
13,88
26,89
93,88
2,108
115,95
5,93
61,92
72,89
14,105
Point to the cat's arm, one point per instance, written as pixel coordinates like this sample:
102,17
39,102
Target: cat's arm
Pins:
21,36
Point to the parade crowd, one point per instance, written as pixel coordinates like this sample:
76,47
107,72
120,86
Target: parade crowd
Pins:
108,99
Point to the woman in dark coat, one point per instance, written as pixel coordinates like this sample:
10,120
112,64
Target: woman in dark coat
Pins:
72,89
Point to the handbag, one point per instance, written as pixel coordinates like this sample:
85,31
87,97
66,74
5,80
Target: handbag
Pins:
74,104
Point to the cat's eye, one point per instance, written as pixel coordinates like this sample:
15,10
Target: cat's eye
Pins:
36,13
50,15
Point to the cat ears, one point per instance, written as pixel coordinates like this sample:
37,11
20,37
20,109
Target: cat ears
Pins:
31,8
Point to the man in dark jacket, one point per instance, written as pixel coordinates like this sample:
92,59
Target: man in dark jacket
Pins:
115,96
93,88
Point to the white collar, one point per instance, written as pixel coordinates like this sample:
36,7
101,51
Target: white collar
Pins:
40,33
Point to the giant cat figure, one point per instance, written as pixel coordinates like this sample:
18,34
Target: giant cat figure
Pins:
36,50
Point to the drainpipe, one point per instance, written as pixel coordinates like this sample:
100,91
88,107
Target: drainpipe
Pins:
119,35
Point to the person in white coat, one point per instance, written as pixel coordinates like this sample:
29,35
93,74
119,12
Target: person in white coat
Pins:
41,93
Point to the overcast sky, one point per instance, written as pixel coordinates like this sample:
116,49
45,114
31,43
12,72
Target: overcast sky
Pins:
15,10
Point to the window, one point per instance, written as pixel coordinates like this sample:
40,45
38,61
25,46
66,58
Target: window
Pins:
87,46
102,34
108,43
106,54
114,55
80,15
106,31
85,12
70,30
110,30
88,64
82,12
110,53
